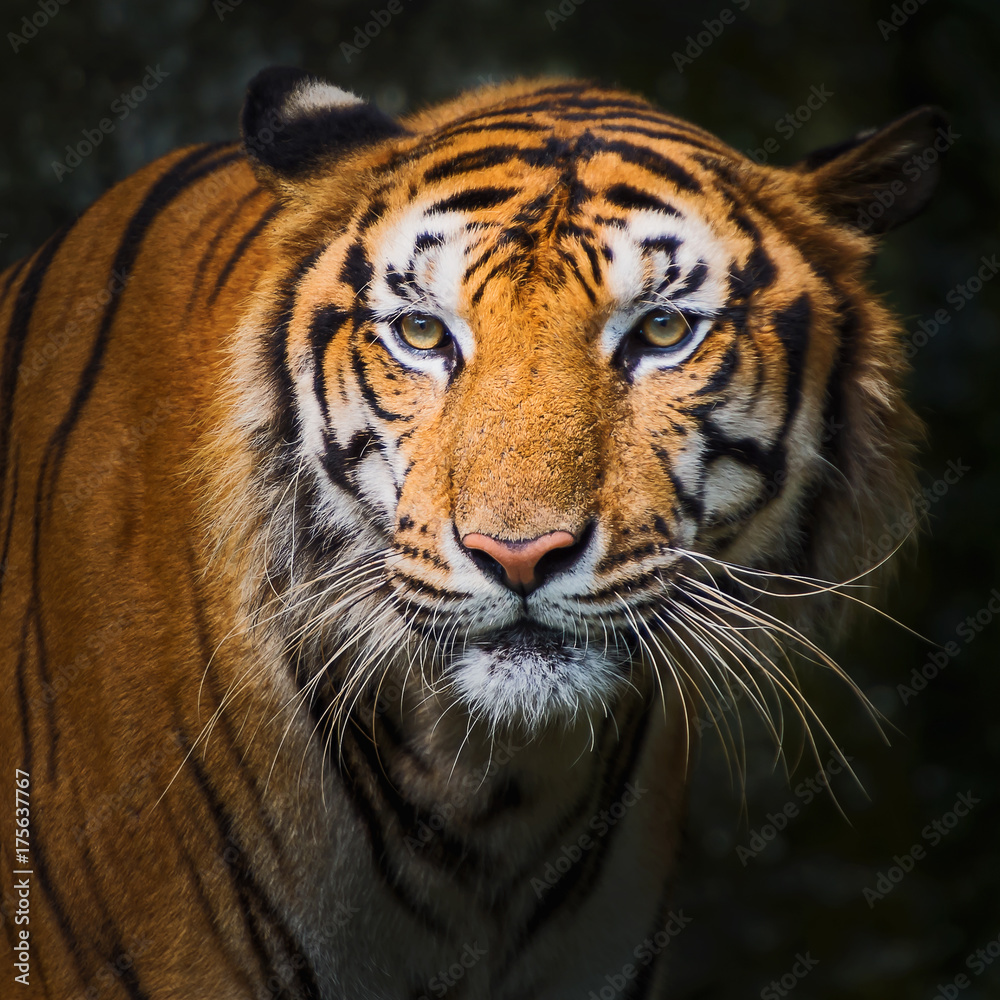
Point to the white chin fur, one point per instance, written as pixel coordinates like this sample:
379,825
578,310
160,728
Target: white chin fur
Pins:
515,684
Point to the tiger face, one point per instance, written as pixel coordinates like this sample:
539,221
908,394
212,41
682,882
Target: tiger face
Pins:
560,360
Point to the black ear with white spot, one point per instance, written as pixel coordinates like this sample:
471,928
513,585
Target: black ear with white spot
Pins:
880,179
293,122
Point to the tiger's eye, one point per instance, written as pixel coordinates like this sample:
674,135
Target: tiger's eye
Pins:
422,332
663,329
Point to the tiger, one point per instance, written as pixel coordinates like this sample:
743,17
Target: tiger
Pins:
384,498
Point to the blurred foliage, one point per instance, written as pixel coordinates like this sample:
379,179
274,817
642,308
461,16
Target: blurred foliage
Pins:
803,893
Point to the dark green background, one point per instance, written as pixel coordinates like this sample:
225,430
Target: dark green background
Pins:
804,892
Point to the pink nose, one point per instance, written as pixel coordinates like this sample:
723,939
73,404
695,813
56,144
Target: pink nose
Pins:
519,559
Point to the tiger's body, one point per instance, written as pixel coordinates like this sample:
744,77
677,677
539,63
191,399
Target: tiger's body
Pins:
357,485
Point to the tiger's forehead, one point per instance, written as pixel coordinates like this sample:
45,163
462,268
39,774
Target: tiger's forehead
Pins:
613,201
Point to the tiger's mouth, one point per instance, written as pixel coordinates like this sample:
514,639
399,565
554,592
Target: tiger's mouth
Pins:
535,674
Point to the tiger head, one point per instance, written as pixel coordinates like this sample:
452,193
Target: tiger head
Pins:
550,391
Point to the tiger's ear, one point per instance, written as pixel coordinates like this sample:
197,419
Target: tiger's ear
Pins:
881,178
292,123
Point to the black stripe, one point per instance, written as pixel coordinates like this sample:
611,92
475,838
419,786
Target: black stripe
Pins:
256,906
478,120
361,374
792,327
626,196
402,283
370,818
723,375
326,323
248,237
654,133
17,335
571,229
740,219
231,216
694,280
748,451
445,850
12,275
109,944
758,273
372,214
195,874
356,271
498,268
475,199
40,864
485,257
595,263
211,914
575,268
471,160
654,163
683,130
338,463
664,244
692,504
425,241
833,413
9,529
276,352
513,125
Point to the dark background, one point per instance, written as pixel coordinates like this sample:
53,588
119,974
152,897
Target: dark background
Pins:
750,916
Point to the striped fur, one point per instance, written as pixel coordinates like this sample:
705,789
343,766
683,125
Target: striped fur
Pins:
289,732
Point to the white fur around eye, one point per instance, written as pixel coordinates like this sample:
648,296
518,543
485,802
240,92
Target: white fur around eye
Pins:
437,271
634,267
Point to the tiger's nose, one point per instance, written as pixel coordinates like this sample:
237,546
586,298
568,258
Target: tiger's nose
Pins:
522,565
